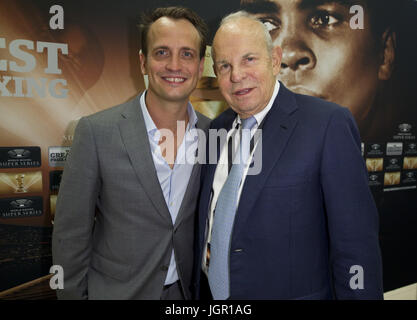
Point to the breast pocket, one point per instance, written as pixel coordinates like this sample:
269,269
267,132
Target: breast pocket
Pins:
283,180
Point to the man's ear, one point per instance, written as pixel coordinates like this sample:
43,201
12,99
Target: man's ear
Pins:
388,55
142,60
276,59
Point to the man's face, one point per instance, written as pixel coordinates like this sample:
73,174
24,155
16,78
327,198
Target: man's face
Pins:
322,55
245,70
173,62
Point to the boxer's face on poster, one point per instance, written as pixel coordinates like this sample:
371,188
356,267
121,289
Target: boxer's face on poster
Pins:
173,62
322,55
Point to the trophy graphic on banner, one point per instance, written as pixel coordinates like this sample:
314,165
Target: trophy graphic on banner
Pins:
392,178
374,164
20,182
410,163
20,187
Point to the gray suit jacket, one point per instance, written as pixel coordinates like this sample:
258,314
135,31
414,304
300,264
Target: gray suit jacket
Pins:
113,234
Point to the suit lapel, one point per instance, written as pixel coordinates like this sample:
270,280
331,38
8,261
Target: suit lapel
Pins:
135,138
278,127
190,191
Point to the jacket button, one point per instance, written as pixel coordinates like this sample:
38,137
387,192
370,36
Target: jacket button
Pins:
164,268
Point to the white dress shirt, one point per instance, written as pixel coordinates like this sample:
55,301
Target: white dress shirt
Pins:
173,181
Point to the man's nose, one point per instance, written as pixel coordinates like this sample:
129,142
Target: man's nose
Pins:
237,74
174,63
294,40
296,56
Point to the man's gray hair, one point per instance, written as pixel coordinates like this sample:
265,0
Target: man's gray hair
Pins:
244,14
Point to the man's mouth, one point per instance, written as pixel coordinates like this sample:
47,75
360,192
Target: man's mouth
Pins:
174,79
242,92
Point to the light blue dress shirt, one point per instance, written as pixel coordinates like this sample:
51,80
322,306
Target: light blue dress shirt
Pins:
173,181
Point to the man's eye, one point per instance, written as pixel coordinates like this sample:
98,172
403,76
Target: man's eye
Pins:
272,25
323,18
188,54
223,68
269,26
160,53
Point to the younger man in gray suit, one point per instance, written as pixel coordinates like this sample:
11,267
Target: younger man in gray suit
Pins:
124,224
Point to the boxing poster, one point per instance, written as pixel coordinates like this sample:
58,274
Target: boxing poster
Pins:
62,60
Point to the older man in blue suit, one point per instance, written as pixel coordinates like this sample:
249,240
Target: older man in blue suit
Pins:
305,226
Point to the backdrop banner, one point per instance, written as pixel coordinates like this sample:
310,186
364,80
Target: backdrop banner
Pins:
61,60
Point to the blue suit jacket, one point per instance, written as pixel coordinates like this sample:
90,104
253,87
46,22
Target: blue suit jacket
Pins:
309,216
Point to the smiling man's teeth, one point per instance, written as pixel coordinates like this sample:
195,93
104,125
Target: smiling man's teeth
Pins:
175,79
242,91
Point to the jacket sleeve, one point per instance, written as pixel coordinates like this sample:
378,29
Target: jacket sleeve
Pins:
75,211
352,216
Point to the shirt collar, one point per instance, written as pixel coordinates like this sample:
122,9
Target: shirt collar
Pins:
261,115
150,125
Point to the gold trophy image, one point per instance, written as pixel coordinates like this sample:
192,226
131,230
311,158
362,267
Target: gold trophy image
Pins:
374,164
20,182
410,163
20,188
392,178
